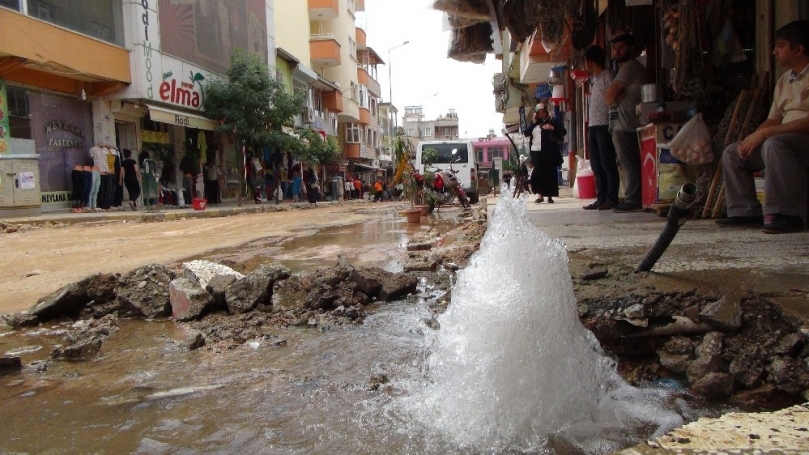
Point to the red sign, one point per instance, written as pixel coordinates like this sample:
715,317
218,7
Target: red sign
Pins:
185,94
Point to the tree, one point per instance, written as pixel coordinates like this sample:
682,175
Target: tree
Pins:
253,107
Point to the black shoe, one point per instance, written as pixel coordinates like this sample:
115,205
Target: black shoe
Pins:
540,200
594,206
550,200
782,224
741,221
607,205
626,208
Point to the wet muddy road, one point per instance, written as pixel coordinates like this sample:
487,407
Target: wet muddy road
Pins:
44,259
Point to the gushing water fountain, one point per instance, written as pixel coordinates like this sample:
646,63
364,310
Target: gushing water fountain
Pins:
513,368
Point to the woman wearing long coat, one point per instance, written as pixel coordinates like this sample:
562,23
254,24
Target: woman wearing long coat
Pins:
546,135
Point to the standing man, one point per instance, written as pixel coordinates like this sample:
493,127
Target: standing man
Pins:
602,151
625,93
777,145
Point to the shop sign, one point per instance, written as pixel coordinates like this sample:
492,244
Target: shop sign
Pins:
332,168
155,137
157,76
61,125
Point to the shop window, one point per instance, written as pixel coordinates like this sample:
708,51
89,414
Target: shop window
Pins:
102,19
42,10
102,32
19,113
12,4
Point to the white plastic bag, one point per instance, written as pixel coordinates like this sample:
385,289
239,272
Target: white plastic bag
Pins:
692,145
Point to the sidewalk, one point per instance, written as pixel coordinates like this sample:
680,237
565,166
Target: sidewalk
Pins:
168,214
701,255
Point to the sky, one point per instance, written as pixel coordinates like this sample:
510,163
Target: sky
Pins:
422,73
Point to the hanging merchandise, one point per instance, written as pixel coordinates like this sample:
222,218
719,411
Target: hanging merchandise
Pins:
471,9
726,47
471,44
453,21
692,144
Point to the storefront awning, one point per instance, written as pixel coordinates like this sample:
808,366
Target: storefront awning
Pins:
180,118
365,168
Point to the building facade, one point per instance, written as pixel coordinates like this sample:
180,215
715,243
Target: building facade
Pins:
418,129
124,73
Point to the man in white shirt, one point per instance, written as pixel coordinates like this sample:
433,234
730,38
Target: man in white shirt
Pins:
778,145
602,150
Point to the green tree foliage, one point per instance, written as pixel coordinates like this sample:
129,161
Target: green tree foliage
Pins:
314,149
253,106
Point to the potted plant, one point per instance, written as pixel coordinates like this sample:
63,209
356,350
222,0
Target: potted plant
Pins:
402,153
428,157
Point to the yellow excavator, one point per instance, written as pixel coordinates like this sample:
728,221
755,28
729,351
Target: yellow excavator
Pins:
402,151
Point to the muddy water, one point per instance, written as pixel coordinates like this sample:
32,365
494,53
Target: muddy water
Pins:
366,244
304,390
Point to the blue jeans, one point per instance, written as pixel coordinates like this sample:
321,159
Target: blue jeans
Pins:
605,167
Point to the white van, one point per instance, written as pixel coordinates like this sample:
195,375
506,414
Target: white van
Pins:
465,167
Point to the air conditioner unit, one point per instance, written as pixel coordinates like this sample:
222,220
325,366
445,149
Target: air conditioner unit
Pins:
308,115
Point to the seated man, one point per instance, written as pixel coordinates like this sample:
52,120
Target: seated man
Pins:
778,145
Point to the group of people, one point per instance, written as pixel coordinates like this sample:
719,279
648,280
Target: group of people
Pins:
99,184
613,124
777,146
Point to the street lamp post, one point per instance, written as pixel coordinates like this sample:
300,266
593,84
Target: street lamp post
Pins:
390,79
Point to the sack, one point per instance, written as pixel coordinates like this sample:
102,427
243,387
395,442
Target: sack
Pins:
692,145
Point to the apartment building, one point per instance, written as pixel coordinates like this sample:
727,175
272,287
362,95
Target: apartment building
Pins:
340,56
418,129
128,73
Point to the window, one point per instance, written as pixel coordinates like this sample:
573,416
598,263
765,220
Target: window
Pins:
479,154
42,11
13,4
364,97
354,133
495,152
352,48
445,154
354,91
102,32
19,114
333,121
409,132
428,132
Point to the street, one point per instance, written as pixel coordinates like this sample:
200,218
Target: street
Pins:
44,259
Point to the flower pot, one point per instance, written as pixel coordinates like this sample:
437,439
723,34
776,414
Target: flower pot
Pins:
423,209
412,215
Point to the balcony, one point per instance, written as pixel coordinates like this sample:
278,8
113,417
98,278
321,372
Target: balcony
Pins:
333,101
324,50
365,116
40,54
360,37
353,150
323,10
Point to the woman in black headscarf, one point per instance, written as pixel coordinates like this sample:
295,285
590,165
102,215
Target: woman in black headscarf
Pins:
546,135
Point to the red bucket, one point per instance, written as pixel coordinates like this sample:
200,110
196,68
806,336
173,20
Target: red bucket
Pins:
199,204
586,182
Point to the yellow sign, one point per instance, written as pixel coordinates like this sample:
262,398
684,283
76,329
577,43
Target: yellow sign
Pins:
155,137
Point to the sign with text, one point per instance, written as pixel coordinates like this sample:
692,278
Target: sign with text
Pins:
158,76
